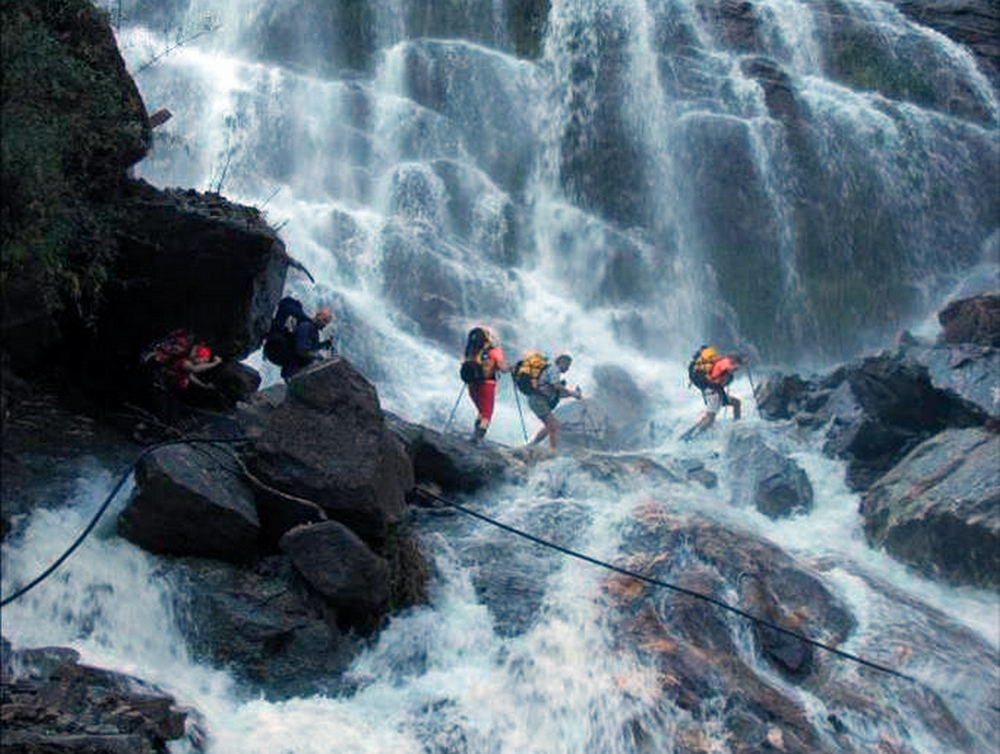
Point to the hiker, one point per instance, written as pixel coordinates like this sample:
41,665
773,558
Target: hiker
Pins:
711,372
293,342
483,360
186,371
176,368
544,385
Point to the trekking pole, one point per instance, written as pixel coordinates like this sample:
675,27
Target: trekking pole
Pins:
517,400
452,416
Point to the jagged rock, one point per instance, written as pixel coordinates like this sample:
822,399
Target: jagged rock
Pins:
939,508
761,476
328,443
972,320
338,565
185,503
51,703
881,408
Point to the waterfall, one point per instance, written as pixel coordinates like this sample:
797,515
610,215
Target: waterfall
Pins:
625,182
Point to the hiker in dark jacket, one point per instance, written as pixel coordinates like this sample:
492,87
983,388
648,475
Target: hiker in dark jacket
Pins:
307,348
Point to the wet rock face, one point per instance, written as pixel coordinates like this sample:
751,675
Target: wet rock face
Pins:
329,443
939,508
765,478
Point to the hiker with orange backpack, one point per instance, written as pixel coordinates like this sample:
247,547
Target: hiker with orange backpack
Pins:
483,360
542,381
711,372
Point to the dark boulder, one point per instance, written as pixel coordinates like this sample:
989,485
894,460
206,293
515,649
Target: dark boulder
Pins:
965,369
328,443
939,508
341,568
765,478
262,624
185,503
194,260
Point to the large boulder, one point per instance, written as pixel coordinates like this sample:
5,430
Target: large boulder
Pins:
343,569
186,504
939,508
195,260
328,442
262,623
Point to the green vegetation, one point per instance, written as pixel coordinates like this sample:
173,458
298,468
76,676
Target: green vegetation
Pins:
65,126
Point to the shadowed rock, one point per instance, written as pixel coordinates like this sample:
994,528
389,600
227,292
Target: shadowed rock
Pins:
186,504
939,508
328,443
340,567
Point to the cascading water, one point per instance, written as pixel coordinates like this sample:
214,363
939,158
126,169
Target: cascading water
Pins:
638,179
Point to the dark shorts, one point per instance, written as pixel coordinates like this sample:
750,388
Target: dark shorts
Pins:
541,405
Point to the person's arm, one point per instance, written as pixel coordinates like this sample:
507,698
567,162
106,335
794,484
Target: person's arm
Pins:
194,368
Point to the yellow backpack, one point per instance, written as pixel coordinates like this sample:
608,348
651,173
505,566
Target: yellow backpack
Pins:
701,365
526,372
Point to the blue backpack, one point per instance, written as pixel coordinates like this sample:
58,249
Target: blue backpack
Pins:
279,345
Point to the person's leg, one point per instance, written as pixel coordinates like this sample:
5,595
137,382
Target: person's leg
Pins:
737,408
540,408
485,401
553,426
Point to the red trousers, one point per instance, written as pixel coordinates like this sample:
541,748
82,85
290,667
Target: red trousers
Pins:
484,395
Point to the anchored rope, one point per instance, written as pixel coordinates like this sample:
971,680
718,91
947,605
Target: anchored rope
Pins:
657,582
104,506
